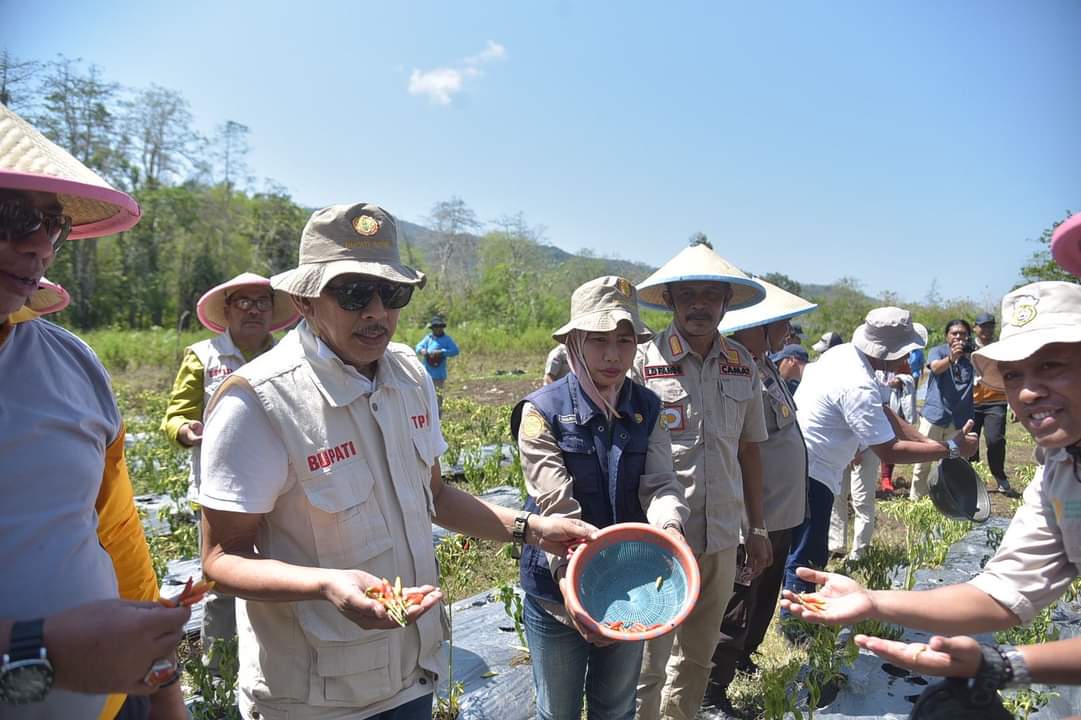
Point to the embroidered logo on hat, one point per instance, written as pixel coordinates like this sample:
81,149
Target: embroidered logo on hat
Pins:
366,225
624,286
1024,311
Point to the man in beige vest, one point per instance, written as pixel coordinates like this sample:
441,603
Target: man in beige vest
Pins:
301,511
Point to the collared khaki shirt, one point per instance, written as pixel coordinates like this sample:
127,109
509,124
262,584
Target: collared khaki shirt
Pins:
1041,552
709,405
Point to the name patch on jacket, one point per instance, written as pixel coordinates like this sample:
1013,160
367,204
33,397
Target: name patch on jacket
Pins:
336,454
654,372
735,369
420,421
218,371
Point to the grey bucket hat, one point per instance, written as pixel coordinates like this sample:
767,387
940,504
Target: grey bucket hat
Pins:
958,491
888,333
599,305
341,239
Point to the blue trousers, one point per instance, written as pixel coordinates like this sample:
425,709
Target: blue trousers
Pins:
565,667
810,540
419,709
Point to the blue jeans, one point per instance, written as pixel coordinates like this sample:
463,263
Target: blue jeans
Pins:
565,665
810,540
419,709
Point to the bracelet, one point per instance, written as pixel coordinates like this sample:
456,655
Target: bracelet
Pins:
760,532
1016,667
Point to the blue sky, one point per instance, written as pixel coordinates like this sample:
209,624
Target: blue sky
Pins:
894,142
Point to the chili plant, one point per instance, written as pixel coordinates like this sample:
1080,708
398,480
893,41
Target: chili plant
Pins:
457,560
512,605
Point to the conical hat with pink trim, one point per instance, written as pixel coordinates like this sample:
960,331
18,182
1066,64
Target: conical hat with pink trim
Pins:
211,306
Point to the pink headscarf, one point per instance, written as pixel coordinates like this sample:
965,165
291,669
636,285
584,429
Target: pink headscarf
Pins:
606,400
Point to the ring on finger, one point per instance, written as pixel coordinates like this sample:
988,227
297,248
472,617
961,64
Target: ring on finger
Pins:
917,651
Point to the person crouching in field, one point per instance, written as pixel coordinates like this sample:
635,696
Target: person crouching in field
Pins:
1037,362
571,433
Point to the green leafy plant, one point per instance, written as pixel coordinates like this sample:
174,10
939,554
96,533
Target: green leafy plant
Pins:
457,560
216,692
512,605
1025,702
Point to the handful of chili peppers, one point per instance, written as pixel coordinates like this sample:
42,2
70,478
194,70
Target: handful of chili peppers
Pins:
192,593
621,626
810,602
394,600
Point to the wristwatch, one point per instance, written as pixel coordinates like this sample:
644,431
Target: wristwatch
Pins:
518,531
760,532
1016,665
26,674
952,450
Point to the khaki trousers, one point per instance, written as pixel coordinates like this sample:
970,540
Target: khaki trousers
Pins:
858,482
675,668
921,473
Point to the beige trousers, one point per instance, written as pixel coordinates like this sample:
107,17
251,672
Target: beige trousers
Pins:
859,482
675,667
921,473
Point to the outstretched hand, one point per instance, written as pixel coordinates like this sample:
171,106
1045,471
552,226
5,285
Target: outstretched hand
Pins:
839,601
947,656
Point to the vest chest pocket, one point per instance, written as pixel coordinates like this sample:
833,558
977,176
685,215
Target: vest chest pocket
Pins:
347,522
580,458
735,394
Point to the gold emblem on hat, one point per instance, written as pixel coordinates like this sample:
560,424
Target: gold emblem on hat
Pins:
1024,313
366,225
624,286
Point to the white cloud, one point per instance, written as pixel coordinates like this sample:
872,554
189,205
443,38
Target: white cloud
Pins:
442,84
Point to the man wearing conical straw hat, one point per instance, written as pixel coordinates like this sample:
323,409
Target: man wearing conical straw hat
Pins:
243,311
712,406
71,544
763,329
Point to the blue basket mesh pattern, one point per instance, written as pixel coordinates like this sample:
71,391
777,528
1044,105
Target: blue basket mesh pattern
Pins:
620,583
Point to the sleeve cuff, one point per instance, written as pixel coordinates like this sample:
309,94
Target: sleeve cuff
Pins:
1001,592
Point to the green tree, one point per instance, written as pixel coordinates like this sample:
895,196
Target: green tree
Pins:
1040,265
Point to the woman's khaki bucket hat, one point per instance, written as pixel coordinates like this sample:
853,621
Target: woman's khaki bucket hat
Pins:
341,239
1033,315
699,263
30,161
599,306
779,304
211,306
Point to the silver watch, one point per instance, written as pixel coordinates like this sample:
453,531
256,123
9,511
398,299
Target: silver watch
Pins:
953,451
1019,674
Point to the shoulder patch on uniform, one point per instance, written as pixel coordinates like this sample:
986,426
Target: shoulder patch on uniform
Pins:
654,372
673,417
675,345
532,425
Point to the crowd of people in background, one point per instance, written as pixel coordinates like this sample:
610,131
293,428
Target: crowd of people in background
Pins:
316,472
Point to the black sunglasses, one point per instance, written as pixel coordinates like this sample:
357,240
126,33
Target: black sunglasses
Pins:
18,220
356,295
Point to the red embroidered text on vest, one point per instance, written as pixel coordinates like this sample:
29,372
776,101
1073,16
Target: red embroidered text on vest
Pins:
218,371
420,421
326,458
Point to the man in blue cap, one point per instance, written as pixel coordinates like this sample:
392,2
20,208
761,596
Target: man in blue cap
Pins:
434,349
790,361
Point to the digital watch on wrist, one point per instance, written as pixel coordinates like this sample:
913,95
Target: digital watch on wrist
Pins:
26,674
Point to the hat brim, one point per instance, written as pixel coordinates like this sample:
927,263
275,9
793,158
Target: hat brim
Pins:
309,280
48,298
211,306
603,321
884,352
726,328
1066,244
1016,347
95,210
959,492
745,292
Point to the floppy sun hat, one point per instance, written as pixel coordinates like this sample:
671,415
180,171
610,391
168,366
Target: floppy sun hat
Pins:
633,581
361,238
1066,244
599,305
700,263
30,161
1033,315
888,333
49,298
211,306
779,304
958,491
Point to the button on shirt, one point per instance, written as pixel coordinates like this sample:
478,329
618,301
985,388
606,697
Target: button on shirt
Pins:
708,405
839,407
1040,553
949,394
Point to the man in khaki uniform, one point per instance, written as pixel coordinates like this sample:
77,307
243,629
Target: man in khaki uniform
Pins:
1037,362
301,513
711,399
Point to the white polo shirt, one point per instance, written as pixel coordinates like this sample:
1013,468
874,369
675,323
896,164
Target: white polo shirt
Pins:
839,408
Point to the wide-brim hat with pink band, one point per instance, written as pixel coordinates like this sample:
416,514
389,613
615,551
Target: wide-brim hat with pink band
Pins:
211,306
1066,244
30,161
49,298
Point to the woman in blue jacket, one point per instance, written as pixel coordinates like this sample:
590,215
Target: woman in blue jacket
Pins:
593,446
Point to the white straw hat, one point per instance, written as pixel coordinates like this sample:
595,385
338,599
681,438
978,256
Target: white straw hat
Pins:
30,161
1033,315
700,263
779,304
211,306
599,306
888,333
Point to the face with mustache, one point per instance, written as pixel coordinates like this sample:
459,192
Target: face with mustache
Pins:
358,337
24,259
697,307
1044,391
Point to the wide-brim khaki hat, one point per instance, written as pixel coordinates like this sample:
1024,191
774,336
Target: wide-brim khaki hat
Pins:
888,333
1066,244
211,306
49,298
30,161
1033,315
699,263
779,304
345,239
600,305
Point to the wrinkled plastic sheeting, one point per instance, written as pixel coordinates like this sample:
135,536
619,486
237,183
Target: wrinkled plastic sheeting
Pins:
871,692
486,644
504,496
477,456
176,576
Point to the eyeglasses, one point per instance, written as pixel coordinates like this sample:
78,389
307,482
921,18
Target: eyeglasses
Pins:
261,304
18,220
353,296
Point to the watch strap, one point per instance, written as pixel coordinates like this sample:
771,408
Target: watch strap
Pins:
27,639
518,531
991,676
1016,666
